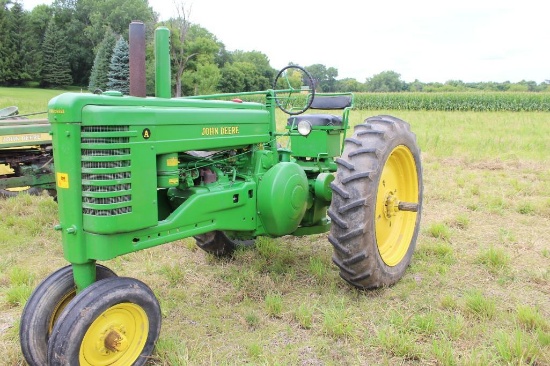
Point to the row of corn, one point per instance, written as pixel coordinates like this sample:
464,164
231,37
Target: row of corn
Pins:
449,101
455,101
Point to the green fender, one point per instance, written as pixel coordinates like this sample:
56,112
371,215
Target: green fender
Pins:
283,194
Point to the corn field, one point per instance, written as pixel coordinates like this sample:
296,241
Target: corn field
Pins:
450,101
455,101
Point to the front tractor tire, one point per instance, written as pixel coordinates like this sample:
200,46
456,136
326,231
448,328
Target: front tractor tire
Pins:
115,321
376,203
44,308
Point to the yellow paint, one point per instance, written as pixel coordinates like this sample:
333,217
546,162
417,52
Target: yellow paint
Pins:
62,180
5,169
27,137
211,131
394,228
172,162
56,111
116,337
233,130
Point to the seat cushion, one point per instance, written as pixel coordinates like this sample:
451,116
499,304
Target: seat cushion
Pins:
331,102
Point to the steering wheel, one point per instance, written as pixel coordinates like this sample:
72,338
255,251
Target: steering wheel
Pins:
294,89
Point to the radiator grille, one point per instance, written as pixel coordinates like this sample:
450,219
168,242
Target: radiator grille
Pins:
105,140
104,128
112,212
113,188
106,176
106,171
105,164
109,152
108,200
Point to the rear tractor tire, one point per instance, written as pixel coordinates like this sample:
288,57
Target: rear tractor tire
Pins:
376,203
219,244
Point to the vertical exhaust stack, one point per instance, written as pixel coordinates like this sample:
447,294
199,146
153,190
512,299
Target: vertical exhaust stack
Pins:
163,74
138,83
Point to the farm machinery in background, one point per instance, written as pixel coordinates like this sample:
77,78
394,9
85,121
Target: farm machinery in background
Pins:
26,155
134,172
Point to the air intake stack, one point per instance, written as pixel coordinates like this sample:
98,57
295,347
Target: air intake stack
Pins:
138,84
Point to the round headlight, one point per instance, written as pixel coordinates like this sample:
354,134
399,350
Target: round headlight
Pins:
304,128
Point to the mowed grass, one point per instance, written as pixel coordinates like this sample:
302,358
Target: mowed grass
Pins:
477,291
28,100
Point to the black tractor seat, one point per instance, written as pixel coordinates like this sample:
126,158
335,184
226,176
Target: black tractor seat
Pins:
324,102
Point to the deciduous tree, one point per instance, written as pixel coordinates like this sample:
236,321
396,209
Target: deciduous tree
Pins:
205,47
386,81
179,27
323,77
257,71
232,79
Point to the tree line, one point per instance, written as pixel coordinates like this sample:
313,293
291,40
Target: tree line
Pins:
83,43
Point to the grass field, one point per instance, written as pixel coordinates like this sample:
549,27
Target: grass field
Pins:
477,291
28,100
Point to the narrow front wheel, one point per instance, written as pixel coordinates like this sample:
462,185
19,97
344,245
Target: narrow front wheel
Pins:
112,322
43,309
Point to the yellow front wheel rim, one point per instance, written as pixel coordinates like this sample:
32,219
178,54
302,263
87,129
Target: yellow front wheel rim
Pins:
395,227
60,306
116,337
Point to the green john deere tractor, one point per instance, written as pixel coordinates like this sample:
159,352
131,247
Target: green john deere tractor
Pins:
134,172
26,157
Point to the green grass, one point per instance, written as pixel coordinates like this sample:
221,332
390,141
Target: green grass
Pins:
517,348
475,294
28,100
495,259
304,315
444,353
487,140
439,230
479,305
274,304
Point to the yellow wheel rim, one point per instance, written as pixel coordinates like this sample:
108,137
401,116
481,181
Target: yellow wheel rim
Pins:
116,337
394,227
66,299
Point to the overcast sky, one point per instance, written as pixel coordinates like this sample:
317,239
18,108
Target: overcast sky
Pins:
428,40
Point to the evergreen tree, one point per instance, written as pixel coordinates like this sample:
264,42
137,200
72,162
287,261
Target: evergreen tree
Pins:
100,70
12,53
119,69
5,45
33,35
56,71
